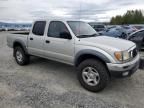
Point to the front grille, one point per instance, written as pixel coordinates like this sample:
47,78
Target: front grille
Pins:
133,53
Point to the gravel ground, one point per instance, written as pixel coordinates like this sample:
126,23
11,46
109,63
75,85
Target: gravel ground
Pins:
47,84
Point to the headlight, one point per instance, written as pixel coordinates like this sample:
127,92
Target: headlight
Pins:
118,55
126,56
122,56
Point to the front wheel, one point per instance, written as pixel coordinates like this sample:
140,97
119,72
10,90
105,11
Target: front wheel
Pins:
20,56
93,75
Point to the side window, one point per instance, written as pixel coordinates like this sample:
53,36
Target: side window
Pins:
56,29
39,27
138,35
133,36
142,32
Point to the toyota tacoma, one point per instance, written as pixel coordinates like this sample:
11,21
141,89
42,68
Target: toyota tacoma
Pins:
96,58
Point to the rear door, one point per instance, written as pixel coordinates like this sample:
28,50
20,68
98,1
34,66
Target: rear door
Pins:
36,38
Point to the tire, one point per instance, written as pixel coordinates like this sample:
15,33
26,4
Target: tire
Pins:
97,67
22,59
123,35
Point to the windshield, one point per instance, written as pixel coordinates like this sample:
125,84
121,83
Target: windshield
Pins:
82,29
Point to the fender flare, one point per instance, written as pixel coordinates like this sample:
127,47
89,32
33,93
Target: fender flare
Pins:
22,44
91,52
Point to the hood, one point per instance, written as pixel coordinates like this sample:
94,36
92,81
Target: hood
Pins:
104,42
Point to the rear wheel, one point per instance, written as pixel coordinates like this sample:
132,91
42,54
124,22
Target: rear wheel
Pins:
20,56
93,75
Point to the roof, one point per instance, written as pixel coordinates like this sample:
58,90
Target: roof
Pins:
56,19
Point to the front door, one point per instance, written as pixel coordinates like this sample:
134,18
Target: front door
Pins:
56,45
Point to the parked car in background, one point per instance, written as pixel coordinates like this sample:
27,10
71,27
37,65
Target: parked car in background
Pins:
138,26
116,31
129,28
99,27
138,38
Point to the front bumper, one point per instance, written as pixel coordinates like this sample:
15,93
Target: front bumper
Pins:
125,69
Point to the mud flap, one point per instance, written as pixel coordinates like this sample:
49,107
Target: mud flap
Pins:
141,66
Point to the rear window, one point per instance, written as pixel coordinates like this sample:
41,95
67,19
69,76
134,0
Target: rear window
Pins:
126,27
138,27
99,26
39,27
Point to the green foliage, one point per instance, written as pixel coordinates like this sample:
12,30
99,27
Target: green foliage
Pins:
131,17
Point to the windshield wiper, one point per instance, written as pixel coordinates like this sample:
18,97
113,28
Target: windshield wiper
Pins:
86,36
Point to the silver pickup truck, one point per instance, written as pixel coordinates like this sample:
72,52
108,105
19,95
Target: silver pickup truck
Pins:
97,58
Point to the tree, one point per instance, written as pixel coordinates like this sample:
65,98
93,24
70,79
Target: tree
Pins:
130,17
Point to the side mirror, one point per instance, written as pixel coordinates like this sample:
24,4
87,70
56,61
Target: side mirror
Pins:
100,34
65,35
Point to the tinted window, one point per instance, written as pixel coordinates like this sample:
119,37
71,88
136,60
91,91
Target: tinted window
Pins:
126,27
138,35
39,27
142,32
56,28
99,26
138,27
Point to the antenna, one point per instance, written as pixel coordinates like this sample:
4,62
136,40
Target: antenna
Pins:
80,9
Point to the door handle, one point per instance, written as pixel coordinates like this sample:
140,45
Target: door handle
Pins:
47,41
31,38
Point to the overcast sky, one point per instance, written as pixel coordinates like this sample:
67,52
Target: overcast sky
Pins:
88,10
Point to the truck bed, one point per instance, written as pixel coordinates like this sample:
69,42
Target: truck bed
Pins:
17,36
22,33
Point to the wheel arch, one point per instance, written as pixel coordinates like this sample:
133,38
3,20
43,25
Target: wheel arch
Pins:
90,54
86,54
21,44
